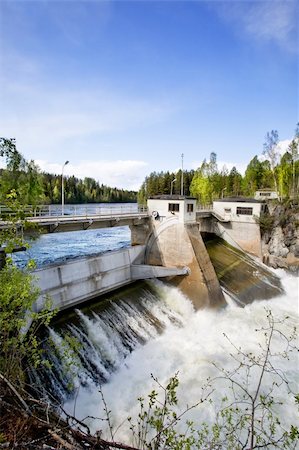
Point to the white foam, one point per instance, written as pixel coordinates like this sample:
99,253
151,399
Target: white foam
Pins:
190,350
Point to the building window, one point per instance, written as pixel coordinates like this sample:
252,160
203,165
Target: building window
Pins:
245,211
227,210
173,207
265,194
190,207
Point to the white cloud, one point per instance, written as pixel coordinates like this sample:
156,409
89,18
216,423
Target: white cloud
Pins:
283,146
56,124
264,20
126,174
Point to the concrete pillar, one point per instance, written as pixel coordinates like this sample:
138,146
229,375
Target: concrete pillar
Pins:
140,233
171,245
215,293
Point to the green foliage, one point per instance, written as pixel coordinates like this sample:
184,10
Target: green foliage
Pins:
257,176
266,222
202,186
8,150
157,418
20,176
82,191
208,182
17,297
34,187
19,345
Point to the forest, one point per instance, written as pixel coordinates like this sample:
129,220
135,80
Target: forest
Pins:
268,171
209,182
35,187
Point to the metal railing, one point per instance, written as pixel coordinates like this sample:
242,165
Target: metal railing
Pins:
72,211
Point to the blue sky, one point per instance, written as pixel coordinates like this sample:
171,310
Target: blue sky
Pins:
122,88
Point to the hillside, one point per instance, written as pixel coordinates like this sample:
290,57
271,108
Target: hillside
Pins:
280,236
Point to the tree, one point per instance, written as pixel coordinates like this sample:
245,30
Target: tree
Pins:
284,175
293,150
234,183
207,183
201,188
8,150
257,176
272,154
22,176
18,293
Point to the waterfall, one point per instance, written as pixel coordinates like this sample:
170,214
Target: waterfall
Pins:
190,343
107,333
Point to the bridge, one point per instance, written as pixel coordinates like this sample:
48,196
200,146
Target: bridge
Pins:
49,218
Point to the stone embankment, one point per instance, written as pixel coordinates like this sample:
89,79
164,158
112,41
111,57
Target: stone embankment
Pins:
280,237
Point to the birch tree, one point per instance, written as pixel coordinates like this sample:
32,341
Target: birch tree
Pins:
272,154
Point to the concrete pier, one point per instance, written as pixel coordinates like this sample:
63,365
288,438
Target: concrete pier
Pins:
77,281
173,243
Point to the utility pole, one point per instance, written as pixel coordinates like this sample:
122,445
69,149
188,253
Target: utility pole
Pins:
182,177
62,188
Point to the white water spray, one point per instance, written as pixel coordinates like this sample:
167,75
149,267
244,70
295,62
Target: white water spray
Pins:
191,342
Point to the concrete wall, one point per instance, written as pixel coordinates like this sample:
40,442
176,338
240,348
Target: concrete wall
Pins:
73,282
162,207
242,235
222,209
265,194
241,230
170,245
140,232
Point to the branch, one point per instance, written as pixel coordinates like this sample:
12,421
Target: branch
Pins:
63,442
13,389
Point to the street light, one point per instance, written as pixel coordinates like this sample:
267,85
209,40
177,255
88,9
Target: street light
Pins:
62,188
182,177
172,186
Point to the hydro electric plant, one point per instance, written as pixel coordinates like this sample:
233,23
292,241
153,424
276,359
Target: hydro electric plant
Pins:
166,242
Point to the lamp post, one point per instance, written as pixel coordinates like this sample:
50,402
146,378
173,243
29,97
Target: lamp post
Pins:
172,186
182,177
62,188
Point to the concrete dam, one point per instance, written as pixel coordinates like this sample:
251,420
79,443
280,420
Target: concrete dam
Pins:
166,244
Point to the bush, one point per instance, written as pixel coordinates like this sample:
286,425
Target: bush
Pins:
266,222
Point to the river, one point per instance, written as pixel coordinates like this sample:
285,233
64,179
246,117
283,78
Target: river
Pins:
152,328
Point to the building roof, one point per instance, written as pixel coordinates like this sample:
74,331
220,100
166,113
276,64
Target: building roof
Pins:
266,190
171,197
238,200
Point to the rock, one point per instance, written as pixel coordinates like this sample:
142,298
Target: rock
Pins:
277,262
280,246
277,246
296,250
289,235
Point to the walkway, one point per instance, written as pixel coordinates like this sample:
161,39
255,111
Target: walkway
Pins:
77,217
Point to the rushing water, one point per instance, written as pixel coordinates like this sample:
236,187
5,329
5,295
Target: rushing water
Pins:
189,344
152,328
